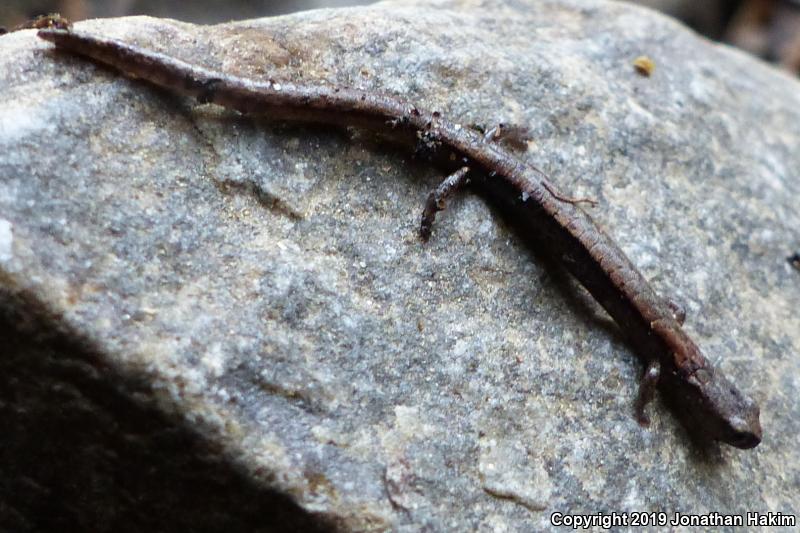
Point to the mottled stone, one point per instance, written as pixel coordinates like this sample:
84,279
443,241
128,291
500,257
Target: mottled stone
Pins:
229,315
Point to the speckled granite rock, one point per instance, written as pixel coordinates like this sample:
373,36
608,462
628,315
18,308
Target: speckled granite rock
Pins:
208,317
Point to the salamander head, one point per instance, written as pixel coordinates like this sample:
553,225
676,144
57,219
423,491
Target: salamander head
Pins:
712,407
706,402
736,415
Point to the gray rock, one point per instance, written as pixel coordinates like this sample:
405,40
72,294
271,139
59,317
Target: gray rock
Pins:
208,317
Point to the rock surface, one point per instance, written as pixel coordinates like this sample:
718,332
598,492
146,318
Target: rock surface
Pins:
207,317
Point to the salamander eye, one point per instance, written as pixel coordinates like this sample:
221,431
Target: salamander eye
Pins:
703,375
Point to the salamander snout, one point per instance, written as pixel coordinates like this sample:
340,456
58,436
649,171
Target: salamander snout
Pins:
745,440
743,429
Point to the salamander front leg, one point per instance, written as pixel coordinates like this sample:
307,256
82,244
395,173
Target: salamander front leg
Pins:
678,311
647,388
436,199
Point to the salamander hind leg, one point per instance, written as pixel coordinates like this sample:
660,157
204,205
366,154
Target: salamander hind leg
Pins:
436,199
647,389
511,135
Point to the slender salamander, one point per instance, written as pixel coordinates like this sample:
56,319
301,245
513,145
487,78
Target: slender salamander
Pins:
702,397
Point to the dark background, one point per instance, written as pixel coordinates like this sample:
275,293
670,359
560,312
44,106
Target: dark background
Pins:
769,29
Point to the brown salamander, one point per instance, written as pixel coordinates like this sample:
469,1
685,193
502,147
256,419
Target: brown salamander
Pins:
701,396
